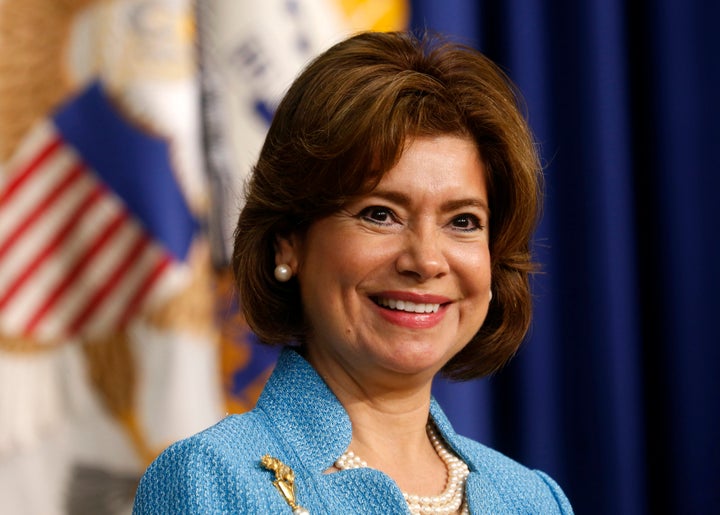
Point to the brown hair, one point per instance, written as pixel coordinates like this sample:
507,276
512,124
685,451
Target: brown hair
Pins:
342,125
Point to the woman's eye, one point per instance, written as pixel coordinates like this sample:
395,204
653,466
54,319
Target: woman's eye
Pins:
466,222
377,214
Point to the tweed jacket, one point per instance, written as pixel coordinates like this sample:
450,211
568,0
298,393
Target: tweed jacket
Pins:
300,421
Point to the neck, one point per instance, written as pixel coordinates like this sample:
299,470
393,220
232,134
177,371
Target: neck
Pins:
389,419
395,441
393,406
352,378
388,423
389,427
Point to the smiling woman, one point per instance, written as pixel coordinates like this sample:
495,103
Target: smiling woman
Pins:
384,239
343,124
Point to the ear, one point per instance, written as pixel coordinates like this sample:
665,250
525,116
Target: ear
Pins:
287,251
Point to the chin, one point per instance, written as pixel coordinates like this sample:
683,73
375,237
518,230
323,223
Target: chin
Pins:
419,363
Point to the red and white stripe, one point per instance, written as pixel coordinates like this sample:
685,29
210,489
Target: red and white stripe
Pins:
73,260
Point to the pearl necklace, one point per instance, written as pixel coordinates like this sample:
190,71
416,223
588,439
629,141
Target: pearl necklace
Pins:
448,502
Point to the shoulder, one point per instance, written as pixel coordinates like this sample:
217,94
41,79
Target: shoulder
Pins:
507,484
230,442
206,473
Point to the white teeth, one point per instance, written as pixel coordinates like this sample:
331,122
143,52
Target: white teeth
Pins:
407,306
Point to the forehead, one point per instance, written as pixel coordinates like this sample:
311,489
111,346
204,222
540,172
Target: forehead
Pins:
437,162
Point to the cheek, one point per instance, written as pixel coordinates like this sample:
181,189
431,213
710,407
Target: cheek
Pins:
348,257
477,281
338,263
475,267
332,267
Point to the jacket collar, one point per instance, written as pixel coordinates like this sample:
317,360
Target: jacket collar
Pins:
311,422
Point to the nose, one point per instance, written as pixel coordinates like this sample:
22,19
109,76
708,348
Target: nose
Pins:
422,255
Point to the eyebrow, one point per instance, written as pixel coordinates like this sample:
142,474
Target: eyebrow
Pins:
401,198
453,205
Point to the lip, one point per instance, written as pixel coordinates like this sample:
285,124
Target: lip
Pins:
413,320
417,298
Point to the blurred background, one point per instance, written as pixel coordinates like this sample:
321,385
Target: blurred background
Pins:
127,128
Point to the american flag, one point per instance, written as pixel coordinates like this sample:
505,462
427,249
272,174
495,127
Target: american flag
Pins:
83,245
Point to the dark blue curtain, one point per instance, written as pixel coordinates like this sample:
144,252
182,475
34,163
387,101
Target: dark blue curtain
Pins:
616,393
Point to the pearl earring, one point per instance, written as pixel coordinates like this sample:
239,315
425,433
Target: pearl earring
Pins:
491,295
283,273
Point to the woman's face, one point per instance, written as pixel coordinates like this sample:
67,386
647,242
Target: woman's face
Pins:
398,281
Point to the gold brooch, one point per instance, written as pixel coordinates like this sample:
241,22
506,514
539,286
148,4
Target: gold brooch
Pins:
284,482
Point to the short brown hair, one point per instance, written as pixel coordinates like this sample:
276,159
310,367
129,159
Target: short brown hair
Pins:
344,123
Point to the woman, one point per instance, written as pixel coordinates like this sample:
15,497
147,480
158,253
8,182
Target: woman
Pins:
384,240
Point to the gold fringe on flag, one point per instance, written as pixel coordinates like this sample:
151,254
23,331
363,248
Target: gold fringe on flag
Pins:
34,36
111,370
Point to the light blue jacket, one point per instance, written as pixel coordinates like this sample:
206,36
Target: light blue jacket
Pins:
298,420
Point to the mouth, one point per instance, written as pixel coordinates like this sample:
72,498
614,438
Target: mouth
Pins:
406,305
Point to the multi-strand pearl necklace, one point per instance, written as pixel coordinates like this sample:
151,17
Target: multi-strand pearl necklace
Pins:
448,502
